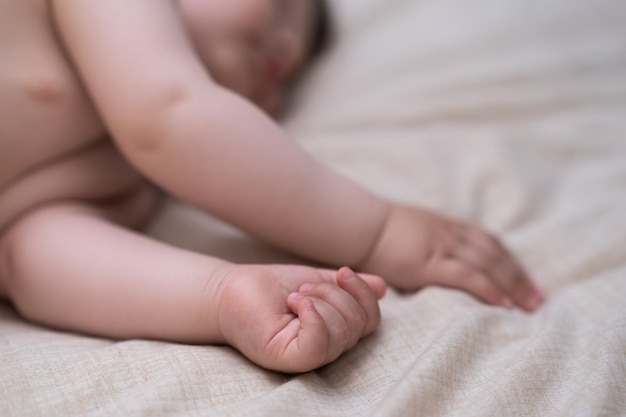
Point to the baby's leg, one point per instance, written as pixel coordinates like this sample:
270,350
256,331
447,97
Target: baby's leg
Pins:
71,266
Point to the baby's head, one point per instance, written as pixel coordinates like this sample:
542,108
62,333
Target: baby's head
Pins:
255,47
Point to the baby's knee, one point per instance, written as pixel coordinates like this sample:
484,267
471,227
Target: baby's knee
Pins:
15,244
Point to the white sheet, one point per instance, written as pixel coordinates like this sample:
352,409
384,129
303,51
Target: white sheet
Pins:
510,113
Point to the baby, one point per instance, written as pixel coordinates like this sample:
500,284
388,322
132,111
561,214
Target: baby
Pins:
102,101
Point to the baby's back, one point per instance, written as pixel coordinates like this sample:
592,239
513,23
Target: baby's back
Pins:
52,142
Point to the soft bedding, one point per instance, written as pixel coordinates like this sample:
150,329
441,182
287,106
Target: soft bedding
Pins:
508,113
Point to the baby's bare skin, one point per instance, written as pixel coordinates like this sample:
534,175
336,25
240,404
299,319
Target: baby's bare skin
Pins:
73,169
53,143
60,171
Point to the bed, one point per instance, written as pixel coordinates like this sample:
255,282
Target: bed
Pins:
508,113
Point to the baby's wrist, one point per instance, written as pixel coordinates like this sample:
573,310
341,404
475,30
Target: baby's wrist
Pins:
212,299
392,257
374,261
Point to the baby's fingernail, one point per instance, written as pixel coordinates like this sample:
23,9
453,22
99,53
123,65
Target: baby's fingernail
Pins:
306,288
506,302
535,300
310,306
296,296
346,273
541,294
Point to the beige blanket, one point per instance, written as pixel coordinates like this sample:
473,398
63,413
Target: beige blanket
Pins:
511,113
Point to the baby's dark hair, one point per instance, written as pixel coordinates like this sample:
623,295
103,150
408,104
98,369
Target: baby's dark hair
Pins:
322,29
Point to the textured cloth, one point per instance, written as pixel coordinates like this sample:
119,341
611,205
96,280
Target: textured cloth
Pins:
508,113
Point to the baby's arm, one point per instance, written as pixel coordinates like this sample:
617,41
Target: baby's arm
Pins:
205,144
216,150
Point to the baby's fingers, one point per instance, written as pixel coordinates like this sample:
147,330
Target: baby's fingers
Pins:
309,349
364,294
454,273
345,319
486,253
376,283
353,298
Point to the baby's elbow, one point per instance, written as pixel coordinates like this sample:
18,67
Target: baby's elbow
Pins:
147,126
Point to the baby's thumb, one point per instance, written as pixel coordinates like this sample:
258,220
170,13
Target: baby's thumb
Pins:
378,285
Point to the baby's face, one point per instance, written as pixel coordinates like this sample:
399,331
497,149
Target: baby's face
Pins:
253,47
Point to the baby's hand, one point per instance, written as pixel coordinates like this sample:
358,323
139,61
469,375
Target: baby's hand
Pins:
419,248
295,319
